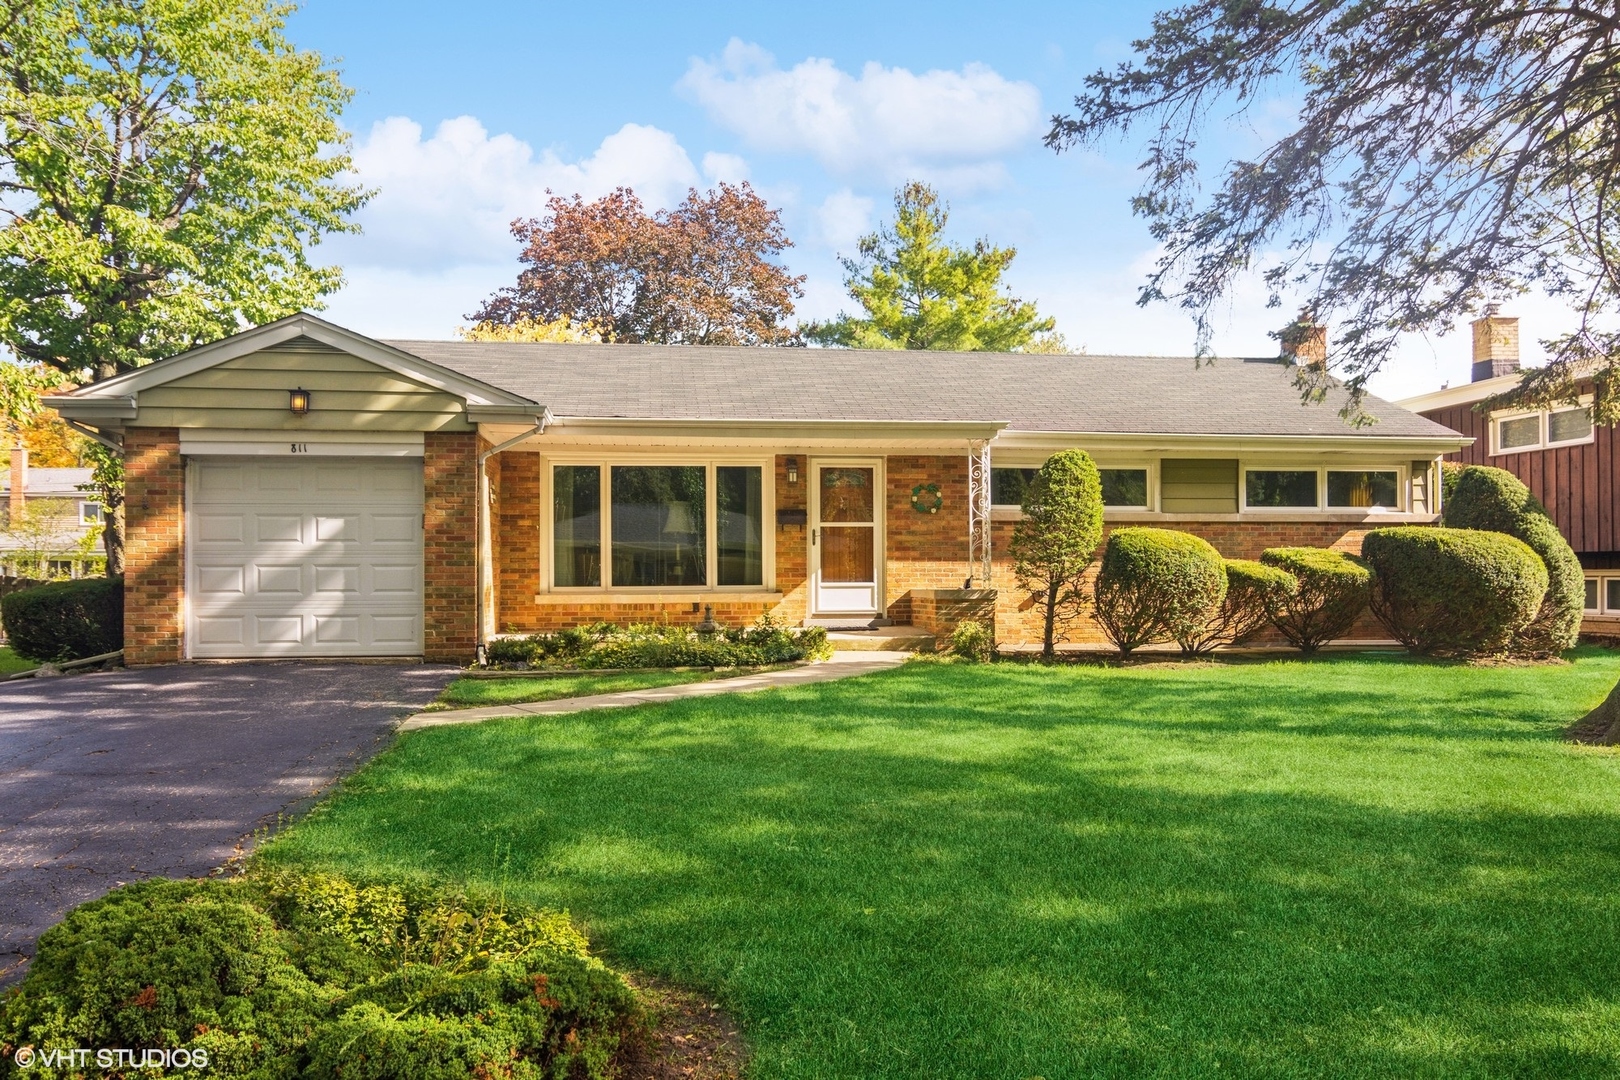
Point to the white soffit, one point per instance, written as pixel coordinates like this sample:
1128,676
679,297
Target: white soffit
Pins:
224,442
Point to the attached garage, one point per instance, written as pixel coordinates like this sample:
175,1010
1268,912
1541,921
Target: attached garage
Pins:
304,556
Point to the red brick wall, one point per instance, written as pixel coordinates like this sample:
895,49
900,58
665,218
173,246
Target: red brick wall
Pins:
793,543
154,547
925,551
1018,620
450,546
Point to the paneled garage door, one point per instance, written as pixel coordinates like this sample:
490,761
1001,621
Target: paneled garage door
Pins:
309,557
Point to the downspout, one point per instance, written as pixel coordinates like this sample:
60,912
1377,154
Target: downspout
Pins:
486,571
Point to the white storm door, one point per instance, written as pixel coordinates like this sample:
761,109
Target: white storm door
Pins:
844,538
315,556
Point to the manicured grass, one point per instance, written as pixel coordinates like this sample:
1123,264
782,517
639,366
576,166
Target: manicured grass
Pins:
1352,867
464,693
11,663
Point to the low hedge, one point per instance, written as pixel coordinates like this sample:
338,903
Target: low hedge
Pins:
1252,588
1334,588
285,974
65,620
1156,585
1453,592
604,645
1482,497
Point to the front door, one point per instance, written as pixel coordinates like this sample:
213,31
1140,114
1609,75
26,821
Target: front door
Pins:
844,560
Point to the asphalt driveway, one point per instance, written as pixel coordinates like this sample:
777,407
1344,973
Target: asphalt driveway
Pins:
113,777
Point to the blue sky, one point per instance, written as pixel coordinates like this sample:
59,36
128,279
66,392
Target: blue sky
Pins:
463,117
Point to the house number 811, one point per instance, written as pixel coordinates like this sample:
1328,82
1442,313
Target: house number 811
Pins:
300,447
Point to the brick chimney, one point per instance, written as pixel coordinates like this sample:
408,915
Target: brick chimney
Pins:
19,481
1305,342
1496,345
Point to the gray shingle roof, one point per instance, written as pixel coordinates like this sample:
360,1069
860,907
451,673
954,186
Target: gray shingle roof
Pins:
1116,394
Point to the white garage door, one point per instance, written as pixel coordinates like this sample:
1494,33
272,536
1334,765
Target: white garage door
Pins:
309,557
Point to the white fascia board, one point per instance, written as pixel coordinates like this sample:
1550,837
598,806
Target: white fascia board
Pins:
527,413
303,324
1466,394
1226,445
101,408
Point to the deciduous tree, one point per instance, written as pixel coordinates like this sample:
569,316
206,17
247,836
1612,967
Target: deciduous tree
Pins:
165,167
1445,153
918,291
703,273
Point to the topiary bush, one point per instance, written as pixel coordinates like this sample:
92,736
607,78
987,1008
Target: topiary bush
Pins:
1252,589
603,645
1157,585
1495,500
1054,542
972,640
286,974
1453,592
65,620
1334,588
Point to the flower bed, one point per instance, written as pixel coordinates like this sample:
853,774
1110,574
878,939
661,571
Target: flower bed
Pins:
604,646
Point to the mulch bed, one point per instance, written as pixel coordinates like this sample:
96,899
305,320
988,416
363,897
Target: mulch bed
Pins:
688,1037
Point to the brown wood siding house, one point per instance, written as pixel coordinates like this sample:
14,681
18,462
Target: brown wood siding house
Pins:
1576,478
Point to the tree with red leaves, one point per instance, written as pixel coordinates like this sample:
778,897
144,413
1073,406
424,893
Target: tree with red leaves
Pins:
703,273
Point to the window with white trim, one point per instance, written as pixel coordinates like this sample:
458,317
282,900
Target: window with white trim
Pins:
1516,433
658,525
1603,594
1122,488
90,513
1278,487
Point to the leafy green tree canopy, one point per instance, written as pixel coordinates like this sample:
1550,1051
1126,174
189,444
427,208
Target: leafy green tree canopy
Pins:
164,167
920,292
1446,153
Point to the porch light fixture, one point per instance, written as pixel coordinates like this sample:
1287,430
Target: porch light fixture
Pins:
298,401
792,464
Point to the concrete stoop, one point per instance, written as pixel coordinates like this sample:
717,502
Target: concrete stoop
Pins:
881,639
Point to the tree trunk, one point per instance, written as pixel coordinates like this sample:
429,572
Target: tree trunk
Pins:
112,532
1048,650
1601,726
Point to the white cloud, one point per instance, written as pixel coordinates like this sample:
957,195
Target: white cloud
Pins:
842,218
952,125
724,168
449,199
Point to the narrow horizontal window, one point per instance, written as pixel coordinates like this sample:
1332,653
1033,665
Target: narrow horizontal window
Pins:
576,514
1518,432
1124,487
1569,425
1363,488
1007,486
659,525
1275,488
740,530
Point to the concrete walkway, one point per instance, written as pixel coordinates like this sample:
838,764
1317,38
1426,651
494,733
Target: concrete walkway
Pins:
843,665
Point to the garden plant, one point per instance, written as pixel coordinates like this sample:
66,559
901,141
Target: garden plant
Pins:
1252,589
65,620
1055,541
605,645
1334,589
1157,585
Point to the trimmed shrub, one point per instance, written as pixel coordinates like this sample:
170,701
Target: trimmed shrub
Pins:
1453,592
1334,589
1157,585
1056,539
65,620
288,974
972,640
603,645
1252,589
1496,500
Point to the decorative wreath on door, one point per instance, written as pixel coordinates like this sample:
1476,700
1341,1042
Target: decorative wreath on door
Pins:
926,499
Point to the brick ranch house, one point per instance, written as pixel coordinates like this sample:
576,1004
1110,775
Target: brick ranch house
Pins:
1570,464
302,490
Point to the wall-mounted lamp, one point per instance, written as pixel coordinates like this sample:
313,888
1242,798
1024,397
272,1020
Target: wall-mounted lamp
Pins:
792,464
298,401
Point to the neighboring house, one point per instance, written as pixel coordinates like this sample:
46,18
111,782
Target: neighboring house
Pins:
1569,464
302,490
46,522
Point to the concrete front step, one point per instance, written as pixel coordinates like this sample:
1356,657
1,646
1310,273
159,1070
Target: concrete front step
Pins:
881,639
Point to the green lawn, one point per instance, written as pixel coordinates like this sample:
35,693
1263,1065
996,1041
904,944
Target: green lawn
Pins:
11,663
1342,868
464,693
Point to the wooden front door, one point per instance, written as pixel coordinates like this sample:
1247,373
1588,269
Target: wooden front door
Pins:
844,538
